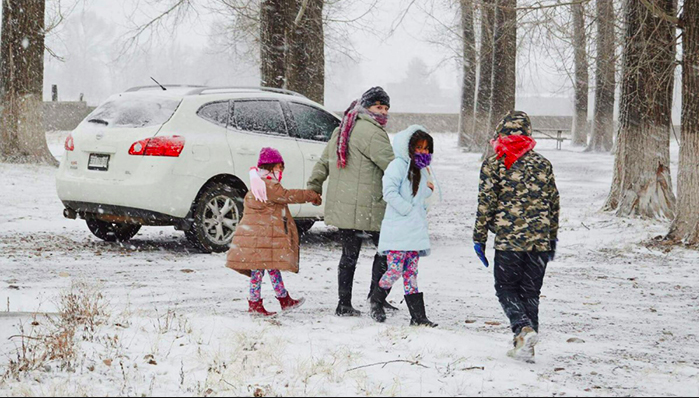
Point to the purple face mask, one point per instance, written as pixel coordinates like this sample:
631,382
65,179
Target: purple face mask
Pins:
422,160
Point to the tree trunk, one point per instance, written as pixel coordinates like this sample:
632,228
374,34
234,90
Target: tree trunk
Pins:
685,228
22,135
642,184
482,129
504,63
274,28
306,59
603,124
580,124
467,137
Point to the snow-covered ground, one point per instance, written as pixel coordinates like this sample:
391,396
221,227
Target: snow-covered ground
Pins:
635,307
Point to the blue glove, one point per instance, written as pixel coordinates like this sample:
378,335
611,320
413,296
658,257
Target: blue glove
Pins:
480,252
552,253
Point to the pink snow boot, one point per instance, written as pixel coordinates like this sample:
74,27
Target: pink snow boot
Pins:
288,303
257,308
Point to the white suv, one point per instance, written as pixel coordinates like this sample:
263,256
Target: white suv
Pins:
181,157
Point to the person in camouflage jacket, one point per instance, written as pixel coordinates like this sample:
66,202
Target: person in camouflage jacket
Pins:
518,201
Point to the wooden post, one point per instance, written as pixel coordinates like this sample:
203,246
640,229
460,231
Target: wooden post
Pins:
559,140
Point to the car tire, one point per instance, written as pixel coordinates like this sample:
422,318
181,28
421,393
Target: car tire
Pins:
112,232
216,214
303,226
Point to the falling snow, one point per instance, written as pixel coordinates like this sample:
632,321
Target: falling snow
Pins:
618,317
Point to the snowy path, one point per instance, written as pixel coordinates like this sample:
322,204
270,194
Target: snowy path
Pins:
636,308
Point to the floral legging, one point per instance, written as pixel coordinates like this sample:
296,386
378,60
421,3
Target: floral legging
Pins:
256,284
405,264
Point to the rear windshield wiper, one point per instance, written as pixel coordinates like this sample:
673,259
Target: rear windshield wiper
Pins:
99,121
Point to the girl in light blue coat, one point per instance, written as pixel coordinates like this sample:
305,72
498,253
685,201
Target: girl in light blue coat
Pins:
404,233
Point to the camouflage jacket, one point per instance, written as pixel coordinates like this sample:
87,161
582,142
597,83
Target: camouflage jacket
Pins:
520,205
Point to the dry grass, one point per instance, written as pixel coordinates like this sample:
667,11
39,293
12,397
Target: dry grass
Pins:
81,310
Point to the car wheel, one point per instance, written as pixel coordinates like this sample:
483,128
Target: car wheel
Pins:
217,213
303,226
112,232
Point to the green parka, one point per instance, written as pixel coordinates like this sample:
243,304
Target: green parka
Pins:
355,194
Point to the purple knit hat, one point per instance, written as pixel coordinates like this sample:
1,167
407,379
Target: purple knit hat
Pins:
270,156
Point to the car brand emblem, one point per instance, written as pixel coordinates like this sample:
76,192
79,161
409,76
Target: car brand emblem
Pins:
100,136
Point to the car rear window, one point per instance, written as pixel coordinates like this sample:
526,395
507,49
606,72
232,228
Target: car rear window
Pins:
134,111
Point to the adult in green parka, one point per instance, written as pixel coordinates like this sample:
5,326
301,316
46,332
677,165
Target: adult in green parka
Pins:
355,160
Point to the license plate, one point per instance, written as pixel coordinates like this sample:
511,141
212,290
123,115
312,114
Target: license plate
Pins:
98,162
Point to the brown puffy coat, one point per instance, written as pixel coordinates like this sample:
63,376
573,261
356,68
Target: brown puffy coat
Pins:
266,237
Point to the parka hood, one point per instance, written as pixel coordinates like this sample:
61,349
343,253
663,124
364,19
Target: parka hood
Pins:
401,142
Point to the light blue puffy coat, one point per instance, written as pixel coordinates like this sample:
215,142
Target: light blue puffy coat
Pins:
404,226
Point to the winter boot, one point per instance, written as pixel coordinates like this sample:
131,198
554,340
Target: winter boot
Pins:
386,305
378,300
257,308
416,306
525,342
288,303
378,270
345,282
346,310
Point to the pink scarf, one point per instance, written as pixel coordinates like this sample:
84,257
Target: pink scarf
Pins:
346,126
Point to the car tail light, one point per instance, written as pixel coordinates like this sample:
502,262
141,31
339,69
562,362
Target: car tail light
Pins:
70,144
158,146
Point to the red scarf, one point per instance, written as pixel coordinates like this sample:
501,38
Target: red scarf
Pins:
512,147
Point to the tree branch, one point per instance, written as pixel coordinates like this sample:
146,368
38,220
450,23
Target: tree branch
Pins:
414,363
660,13
302,11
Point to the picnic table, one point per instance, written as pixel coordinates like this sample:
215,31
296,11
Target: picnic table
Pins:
548,134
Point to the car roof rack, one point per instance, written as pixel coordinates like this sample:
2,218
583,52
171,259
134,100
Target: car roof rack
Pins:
141,88
203,90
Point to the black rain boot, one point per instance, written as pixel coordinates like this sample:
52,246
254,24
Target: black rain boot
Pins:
378,270
378,300
416,306
345,282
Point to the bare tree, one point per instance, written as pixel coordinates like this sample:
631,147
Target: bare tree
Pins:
482,129
274,27
287,37
504,60
467,137
685,228
605,79
642,184
581,83
305,70
22,135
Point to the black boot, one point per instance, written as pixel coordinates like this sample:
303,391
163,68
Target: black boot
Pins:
345,273
378,300
416,306
378,270
346,279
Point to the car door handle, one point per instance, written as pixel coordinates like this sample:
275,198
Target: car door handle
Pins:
314,158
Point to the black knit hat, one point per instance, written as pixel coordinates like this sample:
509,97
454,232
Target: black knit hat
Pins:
374,95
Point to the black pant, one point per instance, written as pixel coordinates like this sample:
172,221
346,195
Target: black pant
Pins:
519,277
351,246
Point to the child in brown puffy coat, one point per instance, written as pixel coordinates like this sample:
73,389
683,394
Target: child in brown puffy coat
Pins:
266,238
